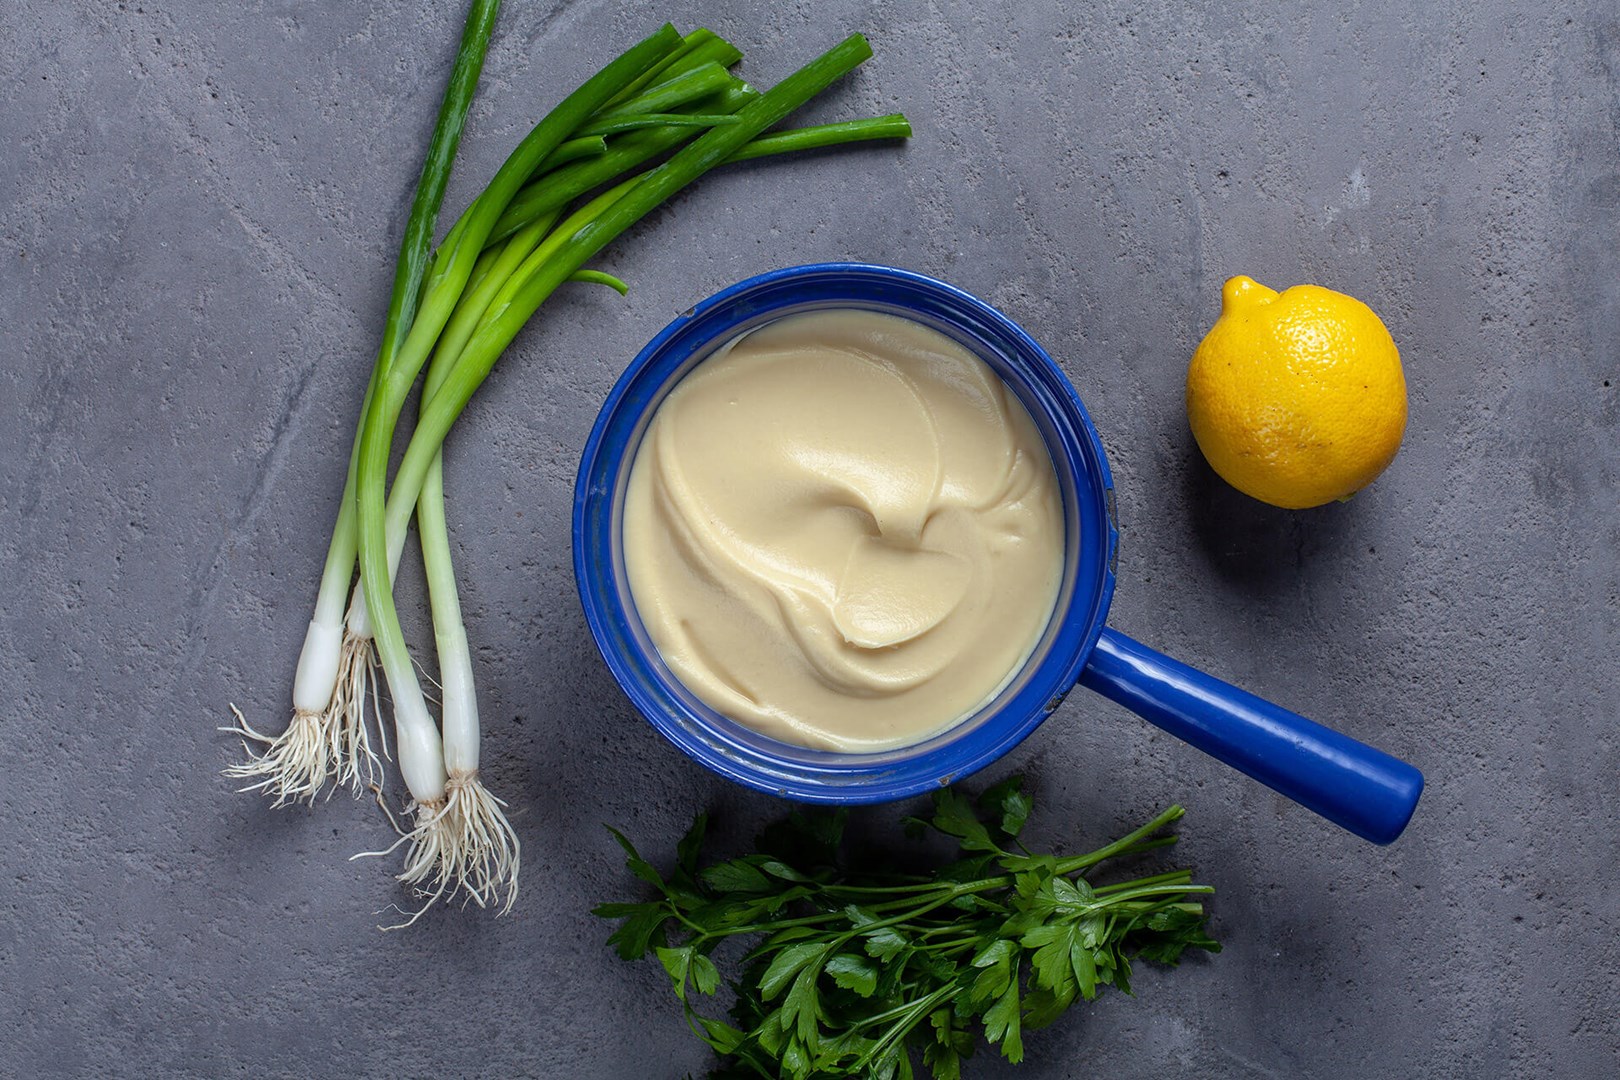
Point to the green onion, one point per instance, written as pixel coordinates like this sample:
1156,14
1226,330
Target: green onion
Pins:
518,241
699,47
702,79
893,126
631,150
443,853
328,731
437,854
637,121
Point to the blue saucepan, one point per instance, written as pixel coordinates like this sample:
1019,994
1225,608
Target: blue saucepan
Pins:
1363,789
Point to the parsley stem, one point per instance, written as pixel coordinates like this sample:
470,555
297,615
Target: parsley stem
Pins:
702,934
1119,894
950,893
1141,907
887,1014
1157,879
919,1009
1157,890
878,890
897,920
1129,842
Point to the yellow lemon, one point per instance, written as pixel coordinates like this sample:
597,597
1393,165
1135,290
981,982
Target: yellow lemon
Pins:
1296,398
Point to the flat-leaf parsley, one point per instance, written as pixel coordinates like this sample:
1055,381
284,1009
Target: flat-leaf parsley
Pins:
869,974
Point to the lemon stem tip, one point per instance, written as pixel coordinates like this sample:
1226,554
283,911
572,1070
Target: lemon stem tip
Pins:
1242,290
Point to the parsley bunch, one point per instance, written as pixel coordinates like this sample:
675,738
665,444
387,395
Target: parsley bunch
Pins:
856,971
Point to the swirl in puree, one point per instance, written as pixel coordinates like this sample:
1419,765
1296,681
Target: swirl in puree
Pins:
842,531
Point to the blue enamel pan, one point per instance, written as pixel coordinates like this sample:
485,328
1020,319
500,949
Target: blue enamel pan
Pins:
1356,786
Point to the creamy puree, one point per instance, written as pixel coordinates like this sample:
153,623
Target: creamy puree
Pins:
843,531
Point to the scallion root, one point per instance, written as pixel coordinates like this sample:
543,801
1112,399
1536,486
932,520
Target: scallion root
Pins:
355,764
461,844
333,743
425,871
292,767
487,853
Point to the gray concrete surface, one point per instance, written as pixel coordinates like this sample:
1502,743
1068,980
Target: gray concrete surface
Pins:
198,208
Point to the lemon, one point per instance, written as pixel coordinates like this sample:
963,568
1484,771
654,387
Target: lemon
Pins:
1296,398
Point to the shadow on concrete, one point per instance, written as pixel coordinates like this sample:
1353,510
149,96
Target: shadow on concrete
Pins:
1250,544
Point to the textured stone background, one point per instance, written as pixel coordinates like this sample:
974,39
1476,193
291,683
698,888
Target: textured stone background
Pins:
198,209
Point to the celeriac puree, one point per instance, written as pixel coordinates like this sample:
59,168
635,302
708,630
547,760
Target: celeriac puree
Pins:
843,531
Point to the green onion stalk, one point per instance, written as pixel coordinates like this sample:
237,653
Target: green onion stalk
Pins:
443,854
480,293
463,839
504,256
328,733
339,659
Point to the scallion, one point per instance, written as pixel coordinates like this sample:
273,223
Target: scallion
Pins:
519,240
328,733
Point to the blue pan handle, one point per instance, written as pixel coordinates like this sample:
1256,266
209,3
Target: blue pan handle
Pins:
1349,783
